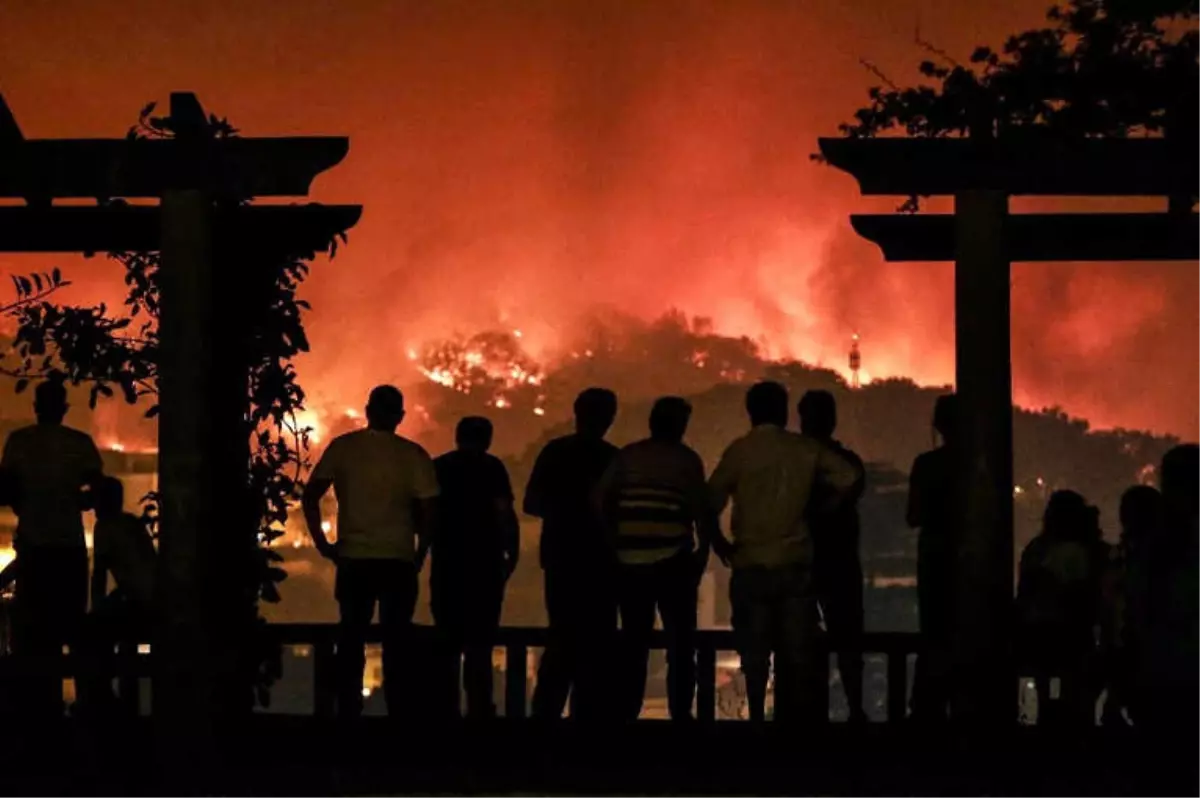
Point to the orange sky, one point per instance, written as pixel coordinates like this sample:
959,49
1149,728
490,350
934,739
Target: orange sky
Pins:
523,162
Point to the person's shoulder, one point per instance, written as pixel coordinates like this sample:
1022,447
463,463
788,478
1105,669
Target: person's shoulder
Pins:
737,445
637,447
806,444
556,445
411,448
926,459
132,523
848,453
21,435
78,437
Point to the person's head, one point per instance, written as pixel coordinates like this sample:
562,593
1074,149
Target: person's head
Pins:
385,408
818,414
669,419
767,403
1069,516
474,434
595,410
1141,512
945,416
109,497
50,402
1180,476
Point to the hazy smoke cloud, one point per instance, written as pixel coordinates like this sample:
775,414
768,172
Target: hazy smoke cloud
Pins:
523,162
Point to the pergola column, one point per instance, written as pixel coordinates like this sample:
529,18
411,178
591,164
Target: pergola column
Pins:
983,377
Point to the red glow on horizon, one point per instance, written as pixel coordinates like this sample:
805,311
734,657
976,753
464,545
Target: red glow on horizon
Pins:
522,165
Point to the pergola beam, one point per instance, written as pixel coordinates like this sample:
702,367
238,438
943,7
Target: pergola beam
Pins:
1019,164
139,228
106,168
1041,237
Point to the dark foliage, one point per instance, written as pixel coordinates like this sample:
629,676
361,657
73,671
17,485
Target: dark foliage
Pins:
91,346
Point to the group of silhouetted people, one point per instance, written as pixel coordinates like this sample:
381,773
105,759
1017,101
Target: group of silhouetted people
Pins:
626,537
1090,618
50,474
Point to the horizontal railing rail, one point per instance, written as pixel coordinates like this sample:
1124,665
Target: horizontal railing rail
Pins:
133,661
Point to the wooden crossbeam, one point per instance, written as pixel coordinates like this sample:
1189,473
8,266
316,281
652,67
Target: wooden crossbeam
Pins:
1042,237
129,228
106,168
1029,164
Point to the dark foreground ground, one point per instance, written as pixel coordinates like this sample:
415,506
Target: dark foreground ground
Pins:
285,756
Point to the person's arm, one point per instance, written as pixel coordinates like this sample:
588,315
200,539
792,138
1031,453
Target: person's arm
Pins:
700,508
318,485
9,574
90,476
8,475
99,581
720,488
837,472
535,489
425,509
915,513
604,500
510,527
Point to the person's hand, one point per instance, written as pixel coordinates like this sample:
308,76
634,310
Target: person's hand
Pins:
724,550
328,550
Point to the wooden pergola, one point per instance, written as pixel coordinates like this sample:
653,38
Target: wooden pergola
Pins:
984,239
205,303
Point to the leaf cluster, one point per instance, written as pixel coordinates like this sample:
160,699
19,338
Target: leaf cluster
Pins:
119,353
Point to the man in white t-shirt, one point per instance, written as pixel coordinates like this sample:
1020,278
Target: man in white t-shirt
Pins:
49,465
386,487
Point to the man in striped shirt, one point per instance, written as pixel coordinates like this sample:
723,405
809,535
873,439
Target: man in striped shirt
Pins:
654,502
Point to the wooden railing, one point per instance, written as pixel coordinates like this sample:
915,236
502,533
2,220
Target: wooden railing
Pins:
133,663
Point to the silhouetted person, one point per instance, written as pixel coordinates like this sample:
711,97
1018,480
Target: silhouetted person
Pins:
838,569
656,507
474,554
50,464
1125,592
1168,655
1058,603
121,546
576,561
386,489
931,509
771,475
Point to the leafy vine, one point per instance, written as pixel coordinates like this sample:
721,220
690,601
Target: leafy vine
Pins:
89,345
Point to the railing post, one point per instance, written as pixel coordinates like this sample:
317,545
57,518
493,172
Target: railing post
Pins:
515,662
706,683
823,673
897,685
129,683
323,678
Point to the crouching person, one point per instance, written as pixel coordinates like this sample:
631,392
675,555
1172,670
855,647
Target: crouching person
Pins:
122,547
